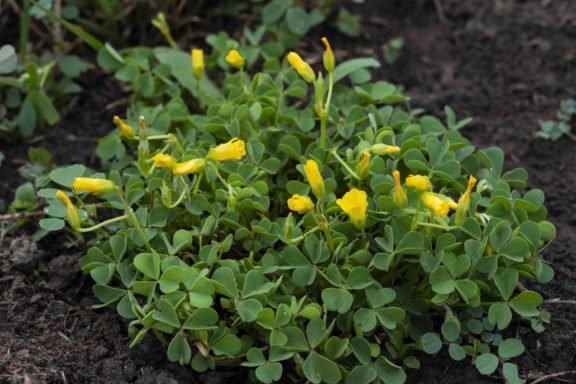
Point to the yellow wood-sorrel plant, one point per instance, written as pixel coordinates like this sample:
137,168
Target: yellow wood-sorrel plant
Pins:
296,222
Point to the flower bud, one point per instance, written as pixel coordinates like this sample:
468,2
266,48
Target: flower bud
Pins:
363,166
235,59
188,167
288,228
384,149
399,197
197,63
87,184
300,204
314,178
319,93
419,183
302,67
464,202
125,130
72,213
235,149
328,56
166,194
162,160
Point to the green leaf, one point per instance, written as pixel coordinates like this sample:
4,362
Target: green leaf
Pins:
456,352
337,299
66,175
179,349
318,369
106,294
201,319
486,363
500,315
389,372
72,65
44,107
269,372
390,316
506,282
510,372
297,21
350,66
8,59
248,309
510,348
359,278
361,374
52,224
526,303
431,343
148,264
167,314
229,345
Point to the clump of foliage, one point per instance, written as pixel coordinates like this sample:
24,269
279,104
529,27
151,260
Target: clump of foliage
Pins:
294,220
555,129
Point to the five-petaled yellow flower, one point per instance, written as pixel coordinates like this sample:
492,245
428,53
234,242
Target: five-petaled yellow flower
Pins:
328,56
188,167
235,149
125,130
302,67
87,184
464,202
355,203
300,204
197,62
162,160
399,196
384,149
439,204
72,213
314,178
235,59
419,183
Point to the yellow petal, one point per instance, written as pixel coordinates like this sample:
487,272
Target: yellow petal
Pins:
355,203
328,56
300,204
418,182
197,62
302,67
87,184
235,149
235,59
437,204
314,178
162,160
188,167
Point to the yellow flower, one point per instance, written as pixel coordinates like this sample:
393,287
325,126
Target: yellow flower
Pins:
384,149
87,184
162,160
197,63
464,202
399,196
419,183
125,130
314,178
232,150
235,59
355,203
328,56
302,67
190,166
300,204
72,213
363,167
436,203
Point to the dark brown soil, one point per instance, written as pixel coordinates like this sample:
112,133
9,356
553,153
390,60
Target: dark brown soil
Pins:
507,63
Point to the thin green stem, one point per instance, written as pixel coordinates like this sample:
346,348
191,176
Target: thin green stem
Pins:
102,224
346,166
303,236
197,184
134,220
180,198
416,214
323,118
440,226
